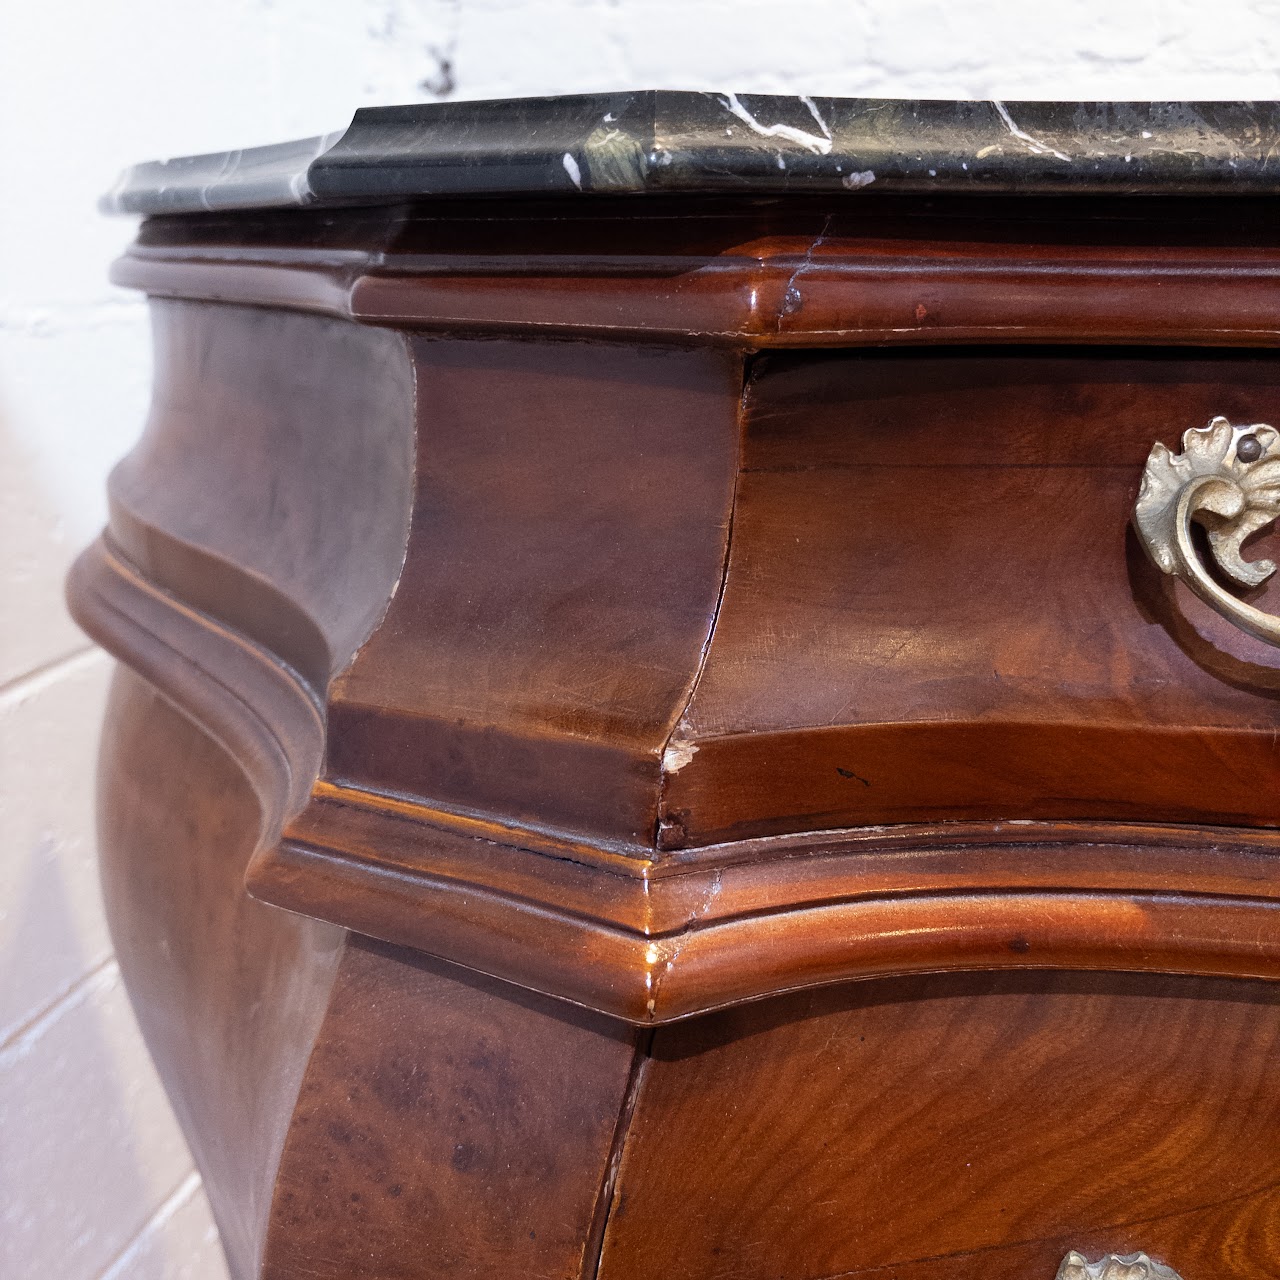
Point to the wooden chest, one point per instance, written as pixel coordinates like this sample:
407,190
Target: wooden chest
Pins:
647,741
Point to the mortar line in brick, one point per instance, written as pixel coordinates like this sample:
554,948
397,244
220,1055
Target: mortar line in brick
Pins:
121,1266
40,678
23,1036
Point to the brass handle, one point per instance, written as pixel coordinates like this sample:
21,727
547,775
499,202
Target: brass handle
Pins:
1226,479
1128,1266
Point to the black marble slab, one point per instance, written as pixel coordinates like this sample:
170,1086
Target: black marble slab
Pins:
658,141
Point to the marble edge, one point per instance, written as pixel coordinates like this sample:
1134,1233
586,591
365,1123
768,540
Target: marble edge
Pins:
691,142
269,177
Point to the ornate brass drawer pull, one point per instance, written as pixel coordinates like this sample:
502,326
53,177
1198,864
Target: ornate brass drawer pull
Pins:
1115,1266
1226,479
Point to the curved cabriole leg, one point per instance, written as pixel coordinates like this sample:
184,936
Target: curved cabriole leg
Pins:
448,1125
229,992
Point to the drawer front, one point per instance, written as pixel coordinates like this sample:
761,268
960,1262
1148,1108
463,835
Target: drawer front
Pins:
935,607
966,1127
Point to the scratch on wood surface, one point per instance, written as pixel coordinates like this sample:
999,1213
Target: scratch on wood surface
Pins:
677,755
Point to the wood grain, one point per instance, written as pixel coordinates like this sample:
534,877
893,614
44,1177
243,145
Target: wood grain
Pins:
793,272
666,945
560,583
959,1126
272,485
446,1126
930,609
229,992
779,915
742,809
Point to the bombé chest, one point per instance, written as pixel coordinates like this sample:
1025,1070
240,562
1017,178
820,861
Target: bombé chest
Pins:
648,740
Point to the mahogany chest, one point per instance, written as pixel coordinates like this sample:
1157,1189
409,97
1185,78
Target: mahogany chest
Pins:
649,741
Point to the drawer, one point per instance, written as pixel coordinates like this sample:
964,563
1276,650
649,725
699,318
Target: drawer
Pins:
935,608
959,1127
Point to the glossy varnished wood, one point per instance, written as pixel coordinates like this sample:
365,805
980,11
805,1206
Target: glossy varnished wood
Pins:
765,272
229,992
552,612
717,806
272,485
665,942
930,608
447,1126
562,793
949,1127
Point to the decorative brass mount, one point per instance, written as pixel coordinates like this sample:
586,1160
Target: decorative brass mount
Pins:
1226,479
1115,1266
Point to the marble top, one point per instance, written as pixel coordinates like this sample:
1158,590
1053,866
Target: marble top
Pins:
659,141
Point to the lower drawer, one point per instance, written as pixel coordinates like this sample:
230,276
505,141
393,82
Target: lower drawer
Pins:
959,1127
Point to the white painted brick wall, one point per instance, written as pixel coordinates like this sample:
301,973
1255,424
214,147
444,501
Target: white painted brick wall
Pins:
94,1178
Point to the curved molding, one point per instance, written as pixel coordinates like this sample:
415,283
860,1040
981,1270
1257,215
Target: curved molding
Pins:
789,286
219,587
263,713
653,943
273,483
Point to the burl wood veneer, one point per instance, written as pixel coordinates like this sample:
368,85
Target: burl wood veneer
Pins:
646,744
